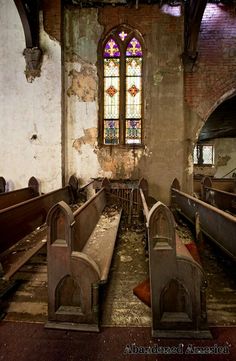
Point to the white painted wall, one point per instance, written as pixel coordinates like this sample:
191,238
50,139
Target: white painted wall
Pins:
225,149
28,108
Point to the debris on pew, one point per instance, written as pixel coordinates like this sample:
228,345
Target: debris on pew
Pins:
19,253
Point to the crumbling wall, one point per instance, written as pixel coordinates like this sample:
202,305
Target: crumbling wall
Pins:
162,156
30,113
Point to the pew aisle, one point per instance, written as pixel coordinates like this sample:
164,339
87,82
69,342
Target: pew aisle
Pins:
28,300
130,267
221,277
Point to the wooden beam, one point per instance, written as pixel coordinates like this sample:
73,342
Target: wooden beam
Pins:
29,14
194,11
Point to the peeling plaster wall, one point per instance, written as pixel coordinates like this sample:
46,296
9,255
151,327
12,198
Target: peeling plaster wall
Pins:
29,109
82,33
225,159
163,156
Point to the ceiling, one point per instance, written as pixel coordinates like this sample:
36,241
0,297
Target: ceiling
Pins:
221,123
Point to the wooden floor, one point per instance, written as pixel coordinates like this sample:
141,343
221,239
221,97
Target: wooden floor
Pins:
28,300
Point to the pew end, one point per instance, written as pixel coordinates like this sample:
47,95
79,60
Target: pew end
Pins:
2,185
80,250
177,282
34,184
174,275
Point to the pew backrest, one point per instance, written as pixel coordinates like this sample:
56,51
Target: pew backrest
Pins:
11,198
2,185
23,218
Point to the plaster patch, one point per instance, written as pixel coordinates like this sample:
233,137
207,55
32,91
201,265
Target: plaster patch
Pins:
189,168
119,163
170,70
222,160
157,77
85,163
83,83
90,137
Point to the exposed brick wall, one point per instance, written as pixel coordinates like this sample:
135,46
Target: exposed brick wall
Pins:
140,18
215,75
52,18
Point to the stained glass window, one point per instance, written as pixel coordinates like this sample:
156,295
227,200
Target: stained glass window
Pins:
122,69
111,92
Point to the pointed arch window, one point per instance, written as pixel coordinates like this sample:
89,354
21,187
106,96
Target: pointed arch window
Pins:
122,94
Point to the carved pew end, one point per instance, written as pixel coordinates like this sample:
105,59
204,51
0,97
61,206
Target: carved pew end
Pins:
177,281
2,185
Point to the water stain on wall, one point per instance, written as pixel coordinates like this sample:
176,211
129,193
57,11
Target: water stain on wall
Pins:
89,137
83,83
122,163
222,160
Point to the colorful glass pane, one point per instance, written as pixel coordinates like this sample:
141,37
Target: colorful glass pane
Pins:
111,49
133,90
134,48
111,97
133,131
133,97
111,67
111,91
111,131
133,66
123,35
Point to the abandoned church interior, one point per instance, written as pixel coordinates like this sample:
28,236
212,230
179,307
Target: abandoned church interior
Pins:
117,180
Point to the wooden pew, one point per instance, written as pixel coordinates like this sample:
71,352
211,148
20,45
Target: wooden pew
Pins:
9,199
223,184
177,281
80,248
2,185
216,224
216,197
23,218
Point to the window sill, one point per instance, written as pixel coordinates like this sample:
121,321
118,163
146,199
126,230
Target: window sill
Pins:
121,146
204,165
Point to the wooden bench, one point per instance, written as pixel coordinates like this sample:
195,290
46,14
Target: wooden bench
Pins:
9,199
216,197
177,281
223,184
2,185
216,224
80,249
20,220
